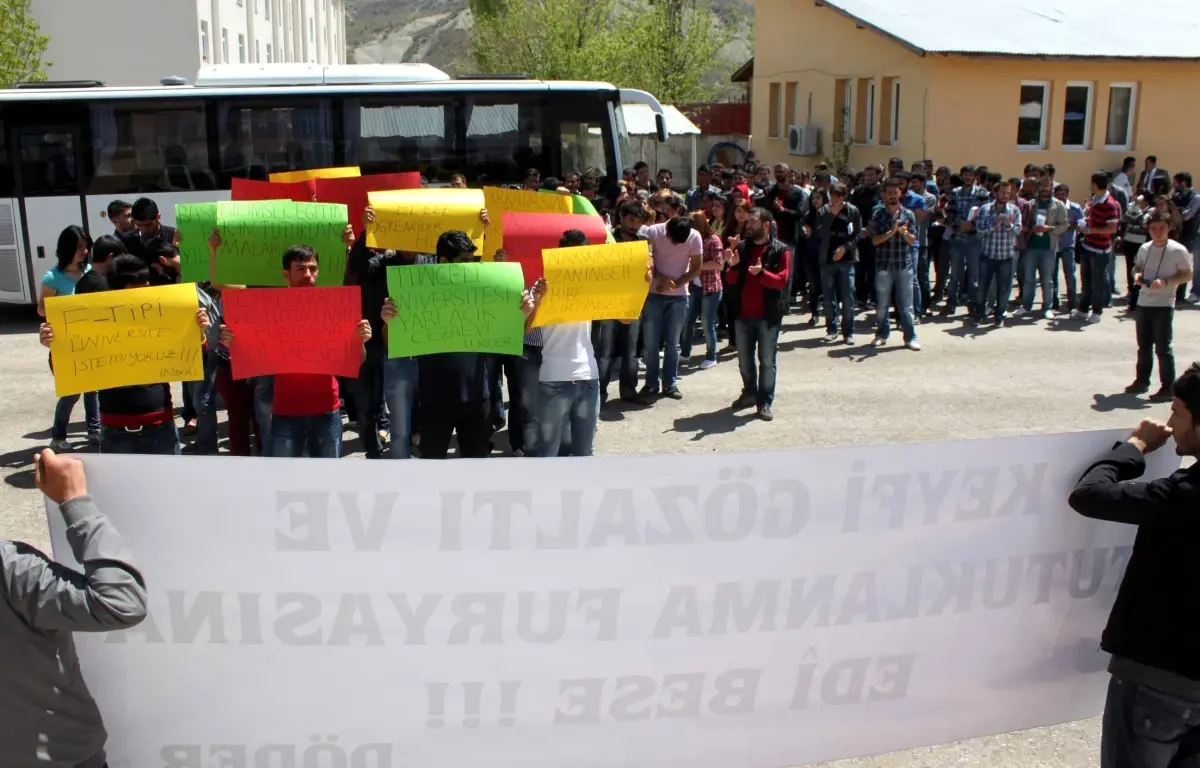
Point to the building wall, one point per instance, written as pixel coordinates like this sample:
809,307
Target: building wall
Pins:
815,48
976,102
105,41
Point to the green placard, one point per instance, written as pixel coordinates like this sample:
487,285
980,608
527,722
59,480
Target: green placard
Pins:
582,205
456,308
255,234
195,222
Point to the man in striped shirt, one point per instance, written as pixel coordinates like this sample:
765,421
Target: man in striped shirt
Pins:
1102,216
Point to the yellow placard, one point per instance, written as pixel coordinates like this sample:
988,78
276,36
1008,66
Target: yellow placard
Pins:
594,282
413,219
123,338
500,201
291,177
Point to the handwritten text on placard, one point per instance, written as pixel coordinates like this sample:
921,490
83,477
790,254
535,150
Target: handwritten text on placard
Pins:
294,330
455,308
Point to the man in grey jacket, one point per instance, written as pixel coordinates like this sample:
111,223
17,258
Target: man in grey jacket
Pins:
48,718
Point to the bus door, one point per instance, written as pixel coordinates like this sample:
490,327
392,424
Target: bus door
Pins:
47,169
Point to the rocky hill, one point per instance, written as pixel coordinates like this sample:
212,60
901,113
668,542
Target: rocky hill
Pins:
438,31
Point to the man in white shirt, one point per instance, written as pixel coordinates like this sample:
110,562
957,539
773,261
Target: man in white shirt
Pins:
1124,179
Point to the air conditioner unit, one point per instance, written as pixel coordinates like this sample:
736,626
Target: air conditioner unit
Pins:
804,140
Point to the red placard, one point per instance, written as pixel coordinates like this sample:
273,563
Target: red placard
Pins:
526,235
249,189
294,330
352,191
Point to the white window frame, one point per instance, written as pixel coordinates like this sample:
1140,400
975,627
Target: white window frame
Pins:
847,116
870,137
224,45
267,10
1045,86
894,128
1087,115
257,52
241,48
204,39
269,52
1133,94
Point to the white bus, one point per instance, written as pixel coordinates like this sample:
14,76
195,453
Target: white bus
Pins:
68,149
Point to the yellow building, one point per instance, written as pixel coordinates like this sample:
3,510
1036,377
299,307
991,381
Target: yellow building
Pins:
1080,84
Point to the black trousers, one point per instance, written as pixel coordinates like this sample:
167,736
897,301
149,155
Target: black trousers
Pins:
1155,329
1130,252
471,421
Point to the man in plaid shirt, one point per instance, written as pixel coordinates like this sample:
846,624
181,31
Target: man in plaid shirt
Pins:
964,244
893,232
998,224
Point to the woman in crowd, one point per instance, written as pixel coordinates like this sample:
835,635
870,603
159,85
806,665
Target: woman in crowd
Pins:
810,251
72,255
735,228
707,300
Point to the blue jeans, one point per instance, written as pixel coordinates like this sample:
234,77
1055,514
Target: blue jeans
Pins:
662,319
964,265
1093,269
837,285
920,280
522,374
1066,257
999,271
756,335
688,334
264,401
710,305
1039,262
400,394
615,344
321,434
62,414
1144,728
204,401
560,403
902,281
154,440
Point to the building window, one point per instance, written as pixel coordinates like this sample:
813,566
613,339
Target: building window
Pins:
204,39
1077,116
137,146
242,48
864,120
268,53
1122,102
789,106
224,45
841,110
256,4
889,99
267,10
257,51
1031,120
895,122
775,107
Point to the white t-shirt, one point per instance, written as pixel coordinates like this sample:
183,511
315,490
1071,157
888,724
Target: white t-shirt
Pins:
567,353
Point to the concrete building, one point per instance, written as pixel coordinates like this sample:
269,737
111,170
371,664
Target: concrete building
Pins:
1077,83
136,42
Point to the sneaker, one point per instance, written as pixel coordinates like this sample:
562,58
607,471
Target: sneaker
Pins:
1163,395
648,392
765,414
189,428
1093,318
913,344
998,322
849,341
1078,315
635,399
878,341
60,446
745,400
829,338
1047,315
1019,312
93,439
673,393
1137,388
812,321
706,364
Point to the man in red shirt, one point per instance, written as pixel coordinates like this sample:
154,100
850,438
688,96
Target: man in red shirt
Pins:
1102,216
759,276
305,409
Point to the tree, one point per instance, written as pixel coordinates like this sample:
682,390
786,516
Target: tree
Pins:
665,49
21,44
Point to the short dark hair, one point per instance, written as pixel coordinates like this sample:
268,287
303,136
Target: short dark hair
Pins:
1185,177
895,161
703,169
551,183
458,177
943,169
127,270
572,238
117,207
589,185
667,171
1129,161
823,176
1101,179
105,248
1050,169
917,176
902,175
452,244
1029,168
532,172
968,169
764,215
839,189
161,248
144,209
299,253
632,208
68,245
1159,216
679,229
1064,186
1152,159
639,165
1187,389
893,183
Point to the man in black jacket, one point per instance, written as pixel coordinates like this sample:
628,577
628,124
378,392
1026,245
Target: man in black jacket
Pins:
1152,714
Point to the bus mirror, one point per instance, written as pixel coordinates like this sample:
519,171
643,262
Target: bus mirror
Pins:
660,126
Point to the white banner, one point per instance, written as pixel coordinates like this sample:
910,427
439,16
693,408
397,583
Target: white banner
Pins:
753,610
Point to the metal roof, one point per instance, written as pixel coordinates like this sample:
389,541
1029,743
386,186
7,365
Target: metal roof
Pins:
639,120
1117,29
